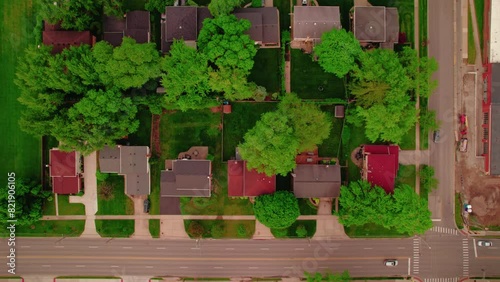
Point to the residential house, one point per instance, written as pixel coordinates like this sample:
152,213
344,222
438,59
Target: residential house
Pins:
130,161
135,24
243,182
381,165
64,170
265,29
182,22
310,22
314,177
376,24
62,39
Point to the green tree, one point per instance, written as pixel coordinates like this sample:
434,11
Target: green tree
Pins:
338,51
158,5
223,7
225,43
278,210
427,178
130,65
27,203
270,146
428,120
232,83
412,215
100,118
420,70
185,77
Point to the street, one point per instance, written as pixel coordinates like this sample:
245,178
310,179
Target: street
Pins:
441,256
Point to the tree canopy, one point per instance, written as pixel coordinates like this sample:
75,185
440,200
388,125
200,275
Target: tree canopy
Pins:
29,199
403,210
129,65
225,43
223,7
278,210
158,5
272,144
338,51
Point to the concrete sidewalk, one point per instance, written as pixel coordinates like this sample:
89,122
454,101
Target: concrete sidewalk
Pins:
170,217
411,157
141,225
172,227
89,199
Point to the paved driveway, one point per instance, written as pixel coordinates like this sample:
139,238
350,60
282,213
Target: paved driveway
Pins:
141,224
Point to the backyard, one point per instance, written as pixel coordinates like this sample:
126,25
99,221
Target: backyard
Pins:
331,146
23,150
265,70
309,80
243,117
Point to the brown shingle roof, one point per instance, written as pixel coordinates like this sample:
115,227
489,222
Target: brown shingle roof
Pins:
265,24
62,39
376,24
181,23
310,22
136,25
316,181
109,159
190,178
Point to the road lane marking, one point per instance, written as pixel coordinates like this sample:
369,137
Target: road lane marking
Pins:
183,267
45,265
253,267
195,248
127,247
357,266
493,248
79,265
218,267
149,266
58,246
401,248
114,266
409,263
323,267
299,249
22,247
264,249
368,248
161,248
229,249
289,267
93,247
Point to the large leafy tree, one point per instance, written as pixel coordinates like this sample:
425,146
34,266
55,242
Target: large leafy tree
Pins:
404,210
29,198
225,43
185,77
100,118
223,7
158,5
232,82
278,210
130,65
420,71
272,144
338,51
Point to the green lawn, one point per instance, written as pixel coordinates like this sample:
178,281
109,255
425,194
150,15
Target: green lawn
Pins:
309,80
229,228
115,228
21,152
49,207
331,146
372,231
406,15
66,208
406,175
345,6
243,117
284,9
471,47
114,202
53,228
458,211
422,14
265,70
306,207
357,138
291,232
472,52
154,228
408,142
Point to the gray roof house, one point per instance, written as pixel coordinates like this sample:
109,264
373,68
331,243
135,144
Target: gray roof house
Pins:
376,24
135,24
265,29
187,178
316,181
310,22
130,161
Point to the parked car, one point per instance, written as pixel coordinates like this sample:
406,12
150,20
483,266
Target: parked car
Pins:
146,205
391,262
436,136
304,2
483,243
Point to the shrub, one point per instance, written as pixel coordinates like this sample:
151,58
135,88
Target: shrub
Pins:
101,177
301,231
278,210
242,231
279,232
256,3
195,229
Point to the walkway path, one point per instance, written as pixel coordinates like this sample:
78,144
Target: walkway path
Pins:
89,199
411,157
328,226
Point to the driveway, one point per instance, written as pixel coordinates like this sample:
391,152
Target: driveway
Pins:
141,224
327,225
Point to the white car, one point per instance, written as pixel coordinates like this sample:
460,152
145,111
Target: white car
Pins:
391,262
483,243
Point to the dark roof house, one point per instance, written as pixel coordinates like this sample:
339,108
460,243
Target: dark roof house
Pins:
130,161
265,29
135,24
310,22
182,22
381,165
63,39
316,181
247,183
187,178
65,172
376,24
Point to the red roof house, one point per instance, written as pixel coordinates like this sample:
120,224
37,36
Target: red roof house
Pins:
247,183
380,165
62,39
64,170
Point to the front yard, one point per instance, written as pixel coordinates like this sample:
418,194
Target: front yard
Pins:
406,175
309,80
52,228
241,229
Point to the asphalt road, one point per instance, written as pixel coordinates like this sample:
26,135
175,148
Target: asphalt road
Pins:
243,258
442,154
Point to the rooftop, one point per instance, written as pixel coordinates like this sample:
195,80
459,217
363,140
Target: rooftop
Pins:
316,181
376,24
63,39
265,28
310,22
64,170
380,165
247,183
188,178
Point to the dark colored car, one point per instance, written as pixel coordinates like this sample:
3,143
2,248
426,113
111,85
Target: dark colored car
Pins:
436,136
146,205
